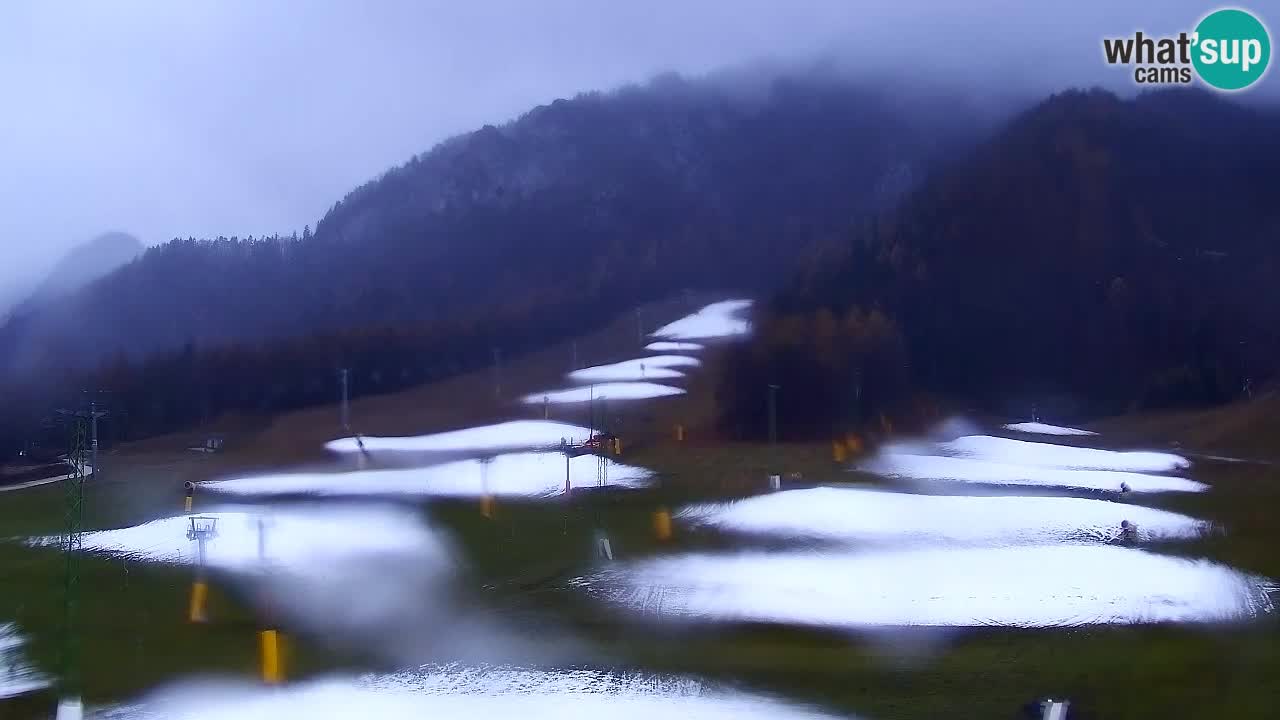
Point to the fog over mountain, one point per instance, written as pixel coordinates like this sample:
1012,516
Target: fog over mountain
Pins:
237,118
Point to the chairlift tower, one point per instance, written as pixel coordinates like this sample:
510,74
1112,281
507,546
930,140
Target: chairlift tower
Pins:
201,530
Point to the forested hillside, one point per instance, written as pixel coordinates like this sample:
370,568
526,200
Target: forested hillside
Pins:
1096,255
508,237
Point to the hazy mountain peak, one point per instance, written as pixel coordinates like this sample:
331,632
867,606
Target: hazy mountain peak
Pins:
85,263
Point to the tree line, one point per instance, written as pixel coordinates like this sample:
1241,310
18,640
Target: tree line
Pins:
510,236
1095,256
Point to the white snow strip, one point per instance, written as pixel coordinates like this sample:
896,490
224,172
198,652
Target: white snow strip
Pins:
459,692
17,677
852,514
515,474
512,435
960,469
671,346
1036,586
1226,459
658,367
88,472
604,391
354,573
713,321
1038,428
1025,452
305,540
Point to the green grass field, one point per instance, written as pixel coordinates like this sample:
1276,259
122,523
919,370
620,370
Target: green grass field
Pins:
135,634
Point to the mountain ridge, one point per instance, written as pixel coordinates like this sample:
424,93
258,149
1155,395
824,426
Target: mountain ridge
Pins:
1095,255
503,238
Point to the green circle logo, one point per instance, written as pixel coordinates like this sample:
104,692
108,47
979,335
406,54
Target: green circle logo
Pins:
1232,49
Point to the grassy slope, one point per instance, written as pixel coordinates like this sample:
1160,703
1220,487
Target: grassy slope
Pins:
1245,429
136,636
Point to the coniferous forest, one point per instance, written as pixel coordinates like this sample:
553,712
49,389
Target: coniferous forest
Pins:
908,251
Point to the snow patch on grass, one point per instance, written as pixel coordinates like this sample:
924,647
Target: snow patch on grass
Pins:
511,435
713,321
1033,586
460,692
1026,452
851,514
17,677
658,367
672,346
533,474
1038,428
604,391
909,464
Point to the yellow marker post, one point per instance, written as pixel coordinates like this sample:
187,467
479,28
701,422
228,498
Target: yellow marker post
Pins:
199,596
662,524
854,443
679,433
272,668
486,506
838,452
617,446
191,491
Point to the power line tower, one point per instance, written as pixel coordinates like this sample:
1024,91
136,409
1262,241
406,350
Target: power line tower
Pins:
78,457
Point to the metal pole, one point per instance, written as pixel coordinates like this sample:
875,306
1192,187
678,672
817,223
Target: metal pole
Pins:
262,543
70,660
773,427
565,447
93,437
346,412
639,327
497,372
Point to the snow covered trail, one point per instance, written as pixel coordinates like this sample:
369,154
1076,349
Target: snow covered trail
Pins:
88,474
673,346
1036,586
511,435
897,463
532,474
1039,428
305,540
1026,452
465,692
657,367
608,392
854,514
17,677
717,320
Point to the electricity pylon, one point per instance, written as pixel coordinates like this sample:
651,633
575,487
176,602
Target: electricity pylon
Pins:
82,452
72,541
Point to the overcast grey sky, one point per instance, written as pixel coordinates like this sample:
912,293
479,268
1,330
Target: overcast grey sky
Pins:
237,117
